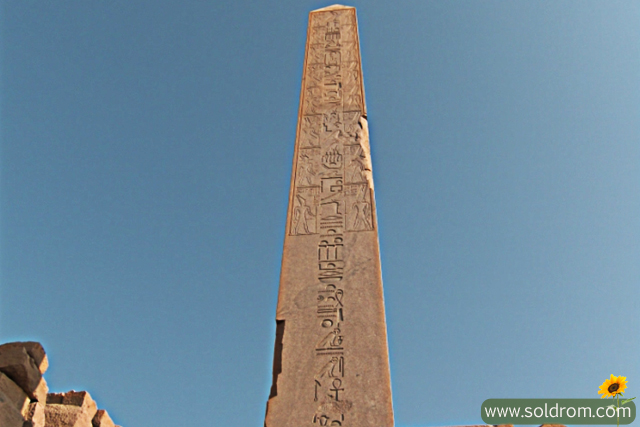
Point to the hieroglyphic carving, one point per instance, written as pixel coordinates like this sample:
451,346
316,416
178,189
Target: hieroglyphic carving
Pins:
310,131
343,17
332,123
316,53
359,208
332,208
325,420
348,33
316,35
315,74
352,87
312,100
349,52
331,370
329,365
303,220
307,170
357,166
352,124
330,306
331,341
331,190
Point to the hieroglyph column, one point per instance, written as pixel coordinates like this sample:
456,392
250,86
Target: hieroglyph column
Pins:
331,363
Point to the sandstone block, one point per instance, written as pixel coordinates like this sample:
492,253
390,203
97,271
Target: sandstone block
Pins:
71,409
34,349
21,368
9,415
11,392
35,416
102,419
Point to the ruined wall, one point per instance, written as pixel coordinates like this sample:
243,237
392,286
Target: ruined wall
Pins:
25,400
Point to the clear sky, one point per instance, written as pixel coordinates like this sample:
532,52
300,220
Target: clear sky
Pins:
146,151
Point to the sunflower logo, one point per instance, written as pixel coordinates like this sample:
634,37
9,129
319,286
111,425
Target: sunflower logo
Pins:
613,386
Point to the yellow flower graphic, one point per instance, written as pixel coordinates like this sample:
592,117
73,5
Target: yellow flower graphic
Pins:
612,386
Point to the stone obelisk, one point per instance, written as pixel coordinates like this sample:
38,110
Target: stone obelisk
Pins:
331,363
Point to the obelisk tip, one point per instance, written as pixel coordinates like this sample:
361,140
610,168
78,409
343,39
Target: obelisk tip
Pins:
333,7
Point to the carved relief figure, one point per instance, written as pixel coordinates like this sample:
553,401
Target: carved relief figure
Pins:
362,212
352,87
306,170
315,74
331,122
351,123
311,105
302,217
310,130
353,99
357,166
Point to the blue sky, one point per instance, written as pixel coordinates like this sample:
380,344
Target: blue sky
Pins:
146,151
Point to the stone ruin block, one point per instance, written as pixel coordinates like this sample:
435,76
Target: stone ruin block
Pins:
102,419
34,350
21,368
12,403
35,416
24,397
9,415
71,409
12,394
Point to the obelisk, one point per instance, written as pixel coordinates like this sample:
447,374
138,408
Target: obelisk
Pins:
331,363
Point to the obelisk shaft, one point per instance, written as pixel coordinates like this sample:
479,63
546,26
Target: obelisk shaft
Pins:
331,364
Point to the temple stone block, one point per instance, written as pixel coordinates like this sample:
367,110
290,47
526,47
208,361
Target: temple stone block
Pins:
102,419
71,409
17,364
9,415
34,350
10,392
35,416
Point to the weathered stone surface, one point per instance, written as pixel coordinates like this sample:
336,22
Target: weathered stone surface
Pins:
70,409
331,364
17,364
11,392
9,415
102,419
34,349
35,416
